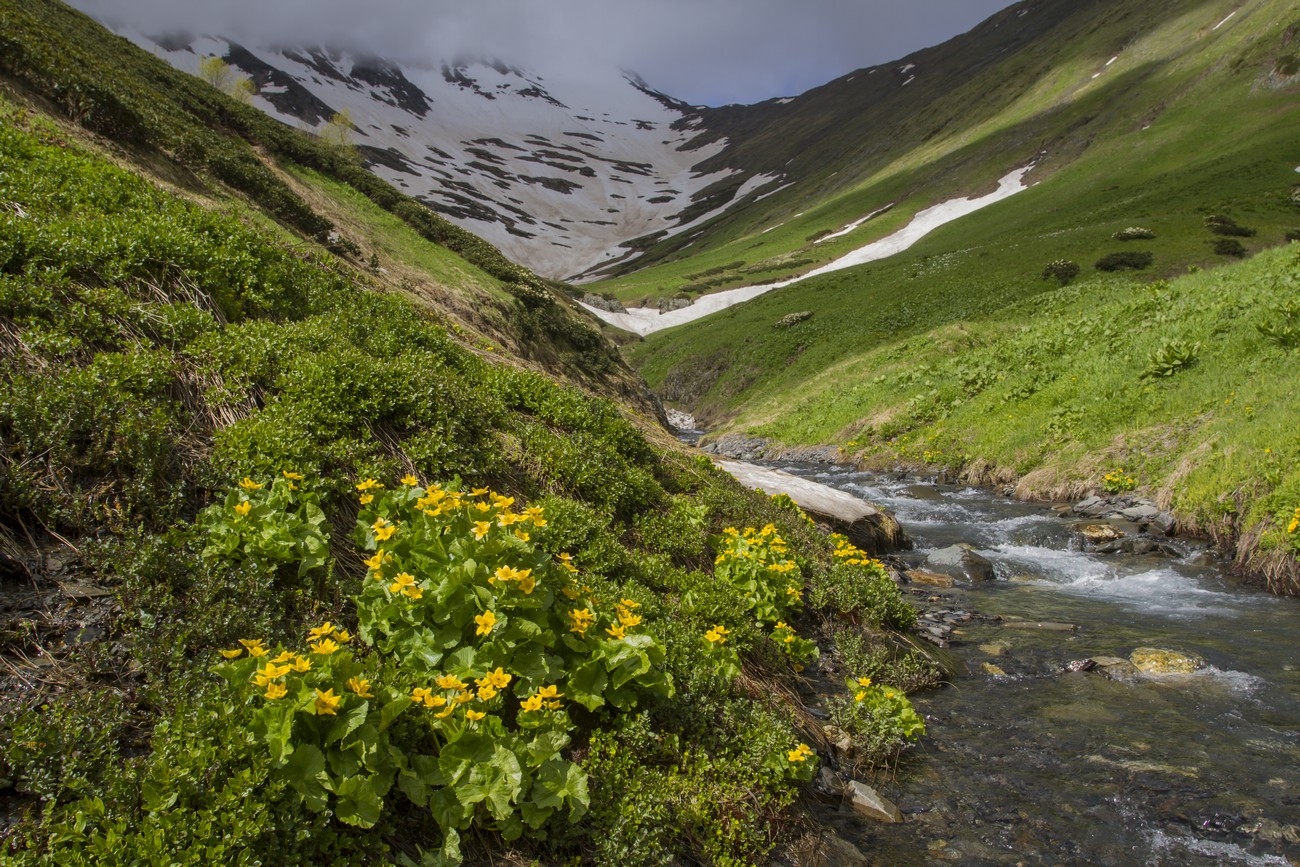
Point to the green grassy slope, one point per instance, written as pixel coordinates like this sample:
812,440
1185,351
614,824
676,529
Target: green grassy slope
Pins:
194,389
1017,89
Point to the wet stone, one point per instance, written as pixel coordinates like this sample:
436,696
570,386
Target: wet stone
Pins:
1156,660
870,803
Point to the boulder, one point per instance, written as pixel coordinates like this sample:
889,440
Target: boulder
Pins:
839,740
1140,513
870,803
1093,507
828,784
836,850
1157,660
1164,524
961,561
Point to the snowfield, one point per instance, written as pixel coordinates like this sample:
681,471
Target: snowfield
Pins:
647,320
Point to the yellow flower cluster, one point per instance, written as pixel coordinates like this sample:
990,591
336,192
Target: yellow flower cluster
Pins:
1295,522
784,631
861,694
799,754
327,638
1117,480
523,577
848,553
547,697
451,692
717,635
752,544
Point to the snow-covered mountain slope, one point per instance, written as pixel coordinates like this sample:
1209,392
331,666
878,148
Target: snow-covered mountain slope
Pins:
558,172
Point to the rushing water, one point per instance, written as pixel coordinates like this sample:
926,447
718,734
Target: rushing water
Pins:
1039,765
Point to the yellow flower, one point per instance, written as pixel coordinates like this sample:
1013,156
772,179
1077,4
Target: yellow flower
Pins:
302,665
526,581
383,534
464,698
799,754
232,654
360,687
503,573
521,536
242,509
474,715
285,656
628,603
448,711
249,485
478,492
420,693
485,622
254,646
432,701
410,481
860,695
377,560
864,681
292,476
343,636
325,647
327,703
275,690
616,632
401,581
498,678
487,692
530,704
369,485
481,528
450,681
412,593
320,631
580,619
717,635
550,692
502,502
629,620
366,499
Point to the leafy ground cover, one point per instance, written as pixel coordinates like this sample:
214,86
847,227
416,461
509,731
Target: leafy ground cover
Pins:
262,527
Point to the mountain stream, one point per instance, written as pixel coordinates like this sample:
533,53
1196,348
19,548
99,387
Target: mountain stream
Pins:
1028,762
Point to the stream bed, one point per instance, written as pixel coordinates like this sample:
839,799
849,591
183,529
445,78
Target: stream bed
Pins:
1026,762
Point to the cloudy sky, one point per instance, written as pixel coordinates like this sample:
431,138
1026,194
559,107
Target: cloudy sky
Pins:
703,51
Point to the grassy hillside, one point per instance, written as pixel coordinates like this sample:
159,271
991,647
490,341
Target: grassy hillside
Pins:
1182,104
249,409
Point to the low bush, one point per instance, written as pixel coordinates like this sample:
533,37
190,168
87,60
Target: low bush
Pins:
1061,270
1125,260
1171,357
1221,225
1229,247
1134,233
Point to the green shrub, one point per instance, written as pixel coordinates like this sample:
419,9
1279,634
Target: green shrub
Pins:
1170,357
1134,233
1229,247
1061,270
1129,259
790,319
1221,225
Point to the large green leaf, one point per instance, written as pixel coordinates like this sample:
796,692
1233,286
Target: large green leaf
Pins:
358,802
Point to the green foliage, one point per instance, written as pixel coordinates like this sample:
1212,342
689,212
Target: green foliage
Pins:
1170,357
1125,260
1134,233
266,528
1118,482
879,718
860,586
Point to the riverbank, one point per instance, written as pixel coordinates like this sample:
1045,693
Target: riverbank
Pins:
1277,571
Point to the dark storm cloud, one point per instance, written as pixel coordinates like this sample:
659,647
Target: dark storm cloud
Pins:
706,51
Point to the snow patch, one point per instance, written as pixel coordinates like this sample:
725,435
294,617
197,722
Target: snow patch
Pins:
908,68
1224,21
784,100
647,320
909,80
1112,60
851,226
